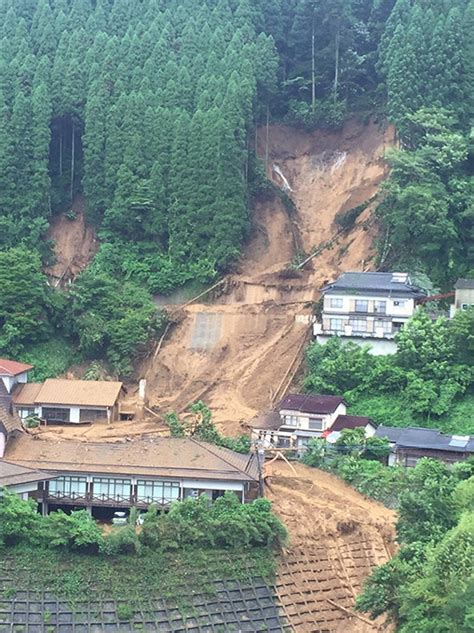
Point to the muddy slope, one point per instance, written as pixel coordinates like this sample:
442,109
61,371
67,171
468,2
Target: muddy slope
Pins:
234,353
337,536
75,244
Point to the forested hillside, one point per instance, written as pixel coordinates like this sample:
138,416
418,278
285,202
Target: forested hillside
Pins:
148,108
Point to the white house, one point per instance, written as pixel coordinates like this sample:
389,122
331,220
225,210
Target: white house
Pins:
300,418
367,308
12,374
463,296
68,401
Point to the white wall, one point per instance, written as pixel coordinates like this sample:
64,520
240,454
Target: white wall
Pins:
11,381
304,418
204,484
8,381
377,346
23,411
23,489
3,442
406,310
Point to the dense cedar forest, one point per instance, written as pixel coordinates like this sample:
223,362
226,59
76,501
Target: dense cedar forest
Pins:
148,109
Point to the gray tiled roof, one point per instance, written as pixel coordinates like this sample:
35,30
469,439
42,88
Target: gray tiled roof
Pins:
464,284
391,283
416,437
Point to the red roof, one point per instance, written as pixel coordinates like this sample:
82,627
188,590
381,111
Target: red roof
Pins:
311,404
13,367
350,422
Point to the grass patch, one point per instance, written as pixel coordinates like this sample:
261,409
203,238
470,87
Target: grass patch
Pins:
393,411
49,358
133,579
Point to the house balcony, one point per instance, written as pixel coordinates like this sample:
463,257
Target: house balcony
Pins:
89,499
348,330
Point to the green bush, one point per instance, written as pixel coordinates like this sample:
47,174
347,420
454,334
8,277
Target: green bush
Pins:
50,358
225,523
19,519
76,531
205,429
125,611
121,540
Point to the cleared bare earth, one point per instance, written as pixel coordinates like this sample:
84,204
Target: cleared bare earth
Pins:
336,537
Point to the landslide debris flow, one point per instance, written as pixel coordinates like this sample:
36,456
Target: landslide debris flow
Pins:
233,352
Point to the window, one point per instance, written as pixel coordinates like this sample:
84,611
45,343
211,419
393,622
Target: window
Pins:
162,492
385,325
400,303
358,325
68,487
117,489
336,302
380,307
90,415
315,424
284,442
24,413
291,420
53,414
336,325
361,305
411,461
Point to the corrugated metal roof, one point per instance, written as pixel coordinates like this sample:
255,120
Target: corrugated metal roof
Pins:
393,283
88,393
304,403
13,367
157,457
418,437
26,394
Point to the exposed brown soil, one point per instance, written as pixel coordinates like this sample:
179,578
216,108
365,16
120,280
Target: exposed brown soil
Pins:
75,244
234,353
336,537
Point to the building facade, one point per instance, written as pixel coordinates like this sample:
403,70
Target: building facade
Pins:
302,417
463,296
367,308
98,475
68,401
408,445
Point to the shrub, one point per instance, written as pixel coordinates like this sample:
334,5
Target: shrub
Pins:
19,520
225,523
346,219
121,540
75,531
125,611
